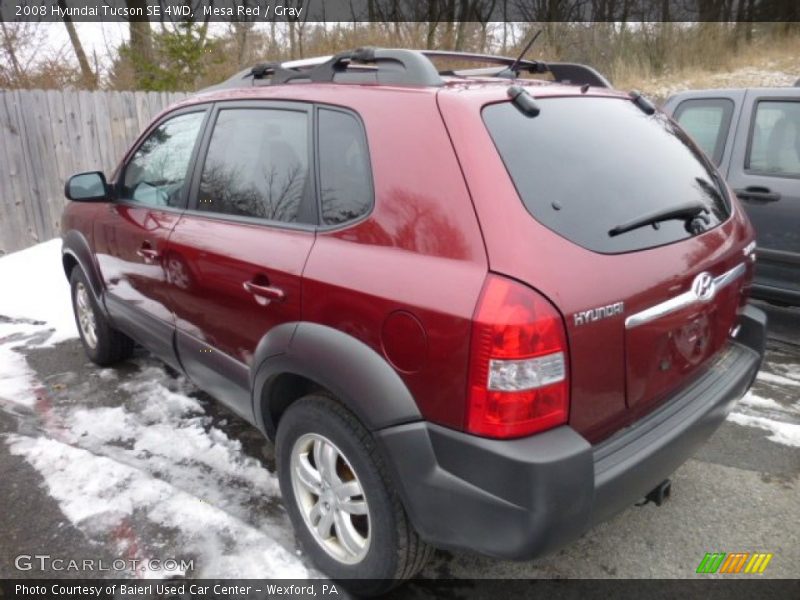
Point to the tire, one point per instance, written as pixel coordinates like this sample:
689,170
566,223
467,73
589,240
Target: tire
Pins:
393,551
103,344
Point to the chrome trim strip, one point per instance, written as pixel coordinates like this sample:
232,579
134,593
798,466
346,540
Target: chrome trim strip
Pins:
683,300
728,278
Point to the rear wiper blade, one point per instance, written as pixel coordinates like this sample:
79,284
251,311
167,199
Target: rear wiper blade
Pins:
684,212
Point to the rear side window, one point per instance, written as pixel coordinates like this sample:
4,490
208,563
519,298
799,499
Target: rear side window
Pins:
708,121
344,168
775,139
256,164
587,165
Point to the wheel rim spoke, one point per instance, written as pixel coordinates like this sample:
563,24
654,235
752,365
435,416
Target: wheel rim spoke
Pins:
347,534
354,507
327,467
315,513
345,491
350,498
85,314
324,524
309,476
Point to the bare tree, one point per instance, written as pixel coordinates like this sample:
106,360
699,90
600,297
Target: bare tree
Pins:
10,50
89,76
141,39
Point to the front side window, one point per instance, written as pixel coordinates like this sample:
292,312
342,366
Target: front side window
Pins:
156,174
775,139
256,165
708,121
344,167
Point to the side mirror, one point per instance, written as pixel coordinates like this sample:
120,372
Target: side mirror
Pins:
87,187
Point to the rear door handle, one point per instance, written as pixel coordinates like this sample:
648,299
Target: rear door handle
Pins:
265,291
147,253
757,195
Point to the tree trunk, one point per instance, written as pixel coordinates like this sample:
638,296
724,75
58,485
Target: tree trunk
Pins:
89,76
141,41
292,40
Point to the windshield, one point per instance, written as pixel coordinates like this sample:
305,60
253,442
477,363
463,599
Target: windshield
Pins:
586,165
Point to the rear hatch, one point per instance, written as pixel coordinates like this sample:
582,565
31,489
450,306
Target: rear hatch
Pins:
647,306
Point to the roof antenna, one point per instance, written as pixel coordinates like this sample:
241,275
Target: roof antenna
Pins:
515,65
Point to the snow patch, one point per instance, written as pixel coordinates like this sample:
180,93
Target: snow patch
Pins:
787,434
747,77
35,310
16,377
790,371
760,403
91,488
158,457
777,379
40,291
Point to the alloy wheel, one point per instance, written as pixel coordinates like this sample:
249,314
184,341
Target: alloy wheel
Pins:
330,498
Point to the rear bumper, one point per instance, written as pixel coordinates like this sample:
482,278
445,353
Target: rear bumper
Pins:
522,498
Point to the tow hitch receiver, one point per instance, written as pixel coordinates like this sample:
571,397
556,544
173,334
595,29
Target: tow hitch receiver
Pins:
659,494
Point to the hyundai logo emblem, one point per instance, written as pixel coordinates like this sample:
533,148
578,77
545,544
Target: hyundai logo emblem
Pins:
703,287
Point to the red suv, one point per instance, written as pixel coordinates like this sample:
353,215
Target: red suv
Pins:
472,311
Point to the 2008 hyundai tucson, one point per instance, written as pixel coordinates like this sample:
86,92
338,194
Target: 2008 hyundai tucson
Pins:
472,311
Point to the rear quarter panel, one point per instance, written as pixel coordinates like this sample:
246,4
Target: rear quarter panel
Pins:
406,279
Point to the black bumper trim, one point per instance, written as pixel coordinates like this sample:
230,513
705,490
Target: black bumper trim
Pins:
522,498
635,460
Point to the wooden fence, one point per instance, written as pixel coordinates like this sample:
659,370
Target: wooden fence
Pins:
46,136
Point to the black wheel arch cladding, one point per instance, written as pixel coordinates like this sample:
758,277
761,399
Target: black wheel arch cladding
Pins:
347,368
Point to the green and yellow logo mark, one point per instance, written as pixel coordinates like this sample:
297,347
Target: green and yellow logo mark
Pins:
735,562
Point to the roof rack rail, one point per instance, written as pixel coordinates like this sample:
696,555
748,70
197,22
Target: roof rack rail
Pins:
572,73
404,67
577,74
394,66
530,66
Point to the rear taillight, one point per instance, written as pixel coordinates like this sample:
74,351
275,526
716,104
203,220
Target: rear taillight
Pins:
518,363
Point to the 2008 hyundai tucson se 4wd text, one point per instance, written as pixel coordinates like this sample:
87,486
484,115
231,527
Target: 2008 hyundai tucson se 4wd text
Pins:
473,311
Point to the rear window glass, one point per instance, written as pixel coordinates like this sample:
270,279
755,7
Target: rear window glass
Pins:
708,121
587,165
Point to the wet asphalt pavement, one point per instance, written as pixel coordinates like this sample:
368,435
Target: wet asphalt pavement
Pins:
740,493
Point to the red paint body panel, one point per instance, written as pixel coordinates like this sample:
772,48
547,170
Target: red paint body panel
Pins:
420,250
209,261
577,279
120,233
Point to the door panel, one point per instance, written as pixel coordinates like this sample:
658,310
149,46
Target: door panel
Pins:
131,235
210,266
130,242
765,172
235,259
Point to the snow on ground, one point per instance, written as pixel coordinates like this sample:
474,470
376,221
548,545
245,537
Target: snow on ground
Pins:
779,432
665,86
779,417
155,461
35,310
37,290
